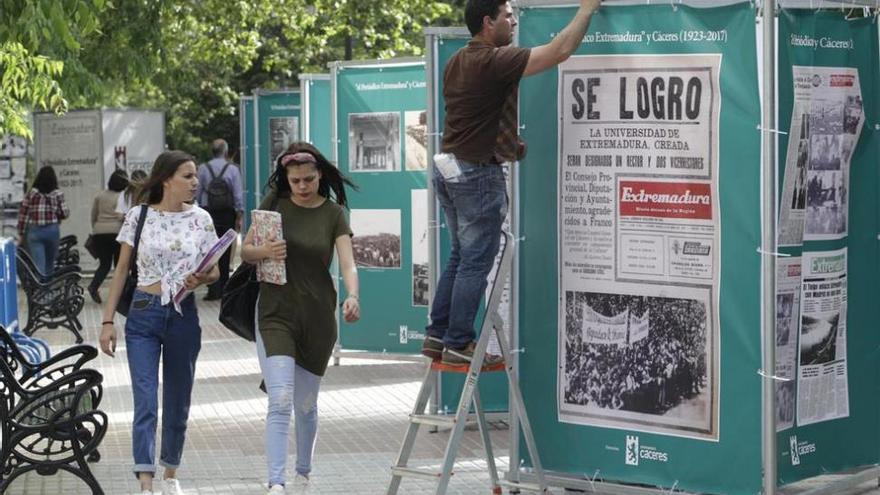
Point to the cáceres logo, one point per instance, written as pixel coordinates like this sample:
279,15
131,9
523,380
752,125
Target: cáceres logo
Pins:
797,449
635,452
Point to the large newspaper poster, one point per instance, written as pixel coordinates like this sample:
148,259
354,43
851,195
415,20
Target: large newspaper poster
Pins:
826,122
639,226
822,375
788,303
71,144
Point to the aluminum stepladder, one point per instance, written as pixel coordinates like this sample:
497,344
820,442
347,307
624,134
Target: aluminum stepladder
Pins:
492,323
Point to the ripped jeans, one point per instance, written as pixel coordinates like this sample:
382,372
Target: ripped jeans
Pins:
290,388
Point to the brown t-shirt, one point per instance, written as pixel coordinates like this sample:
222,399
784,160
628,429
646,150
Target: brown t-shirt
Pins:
476,83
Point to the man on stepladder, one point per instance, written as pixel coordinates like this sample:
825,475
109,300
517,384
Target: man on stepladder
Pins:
480,87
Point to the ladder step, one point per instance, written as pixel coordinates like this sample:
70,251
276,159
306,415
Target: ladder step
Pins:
416,472
440,420
529,487
464,368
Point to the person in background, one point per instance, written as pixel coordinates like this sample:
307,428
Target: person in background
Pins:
221,194
39,219
124,201
176,236
296,328
106,222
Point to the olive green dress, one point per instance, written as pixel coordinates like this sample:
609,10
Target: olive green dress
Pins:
298,319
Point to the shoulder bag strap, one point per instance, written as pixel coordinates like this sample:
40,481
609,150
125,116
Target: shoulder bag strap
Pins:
132,266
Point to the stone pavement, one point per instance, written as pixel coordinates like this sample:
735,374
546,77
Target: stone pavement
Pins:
363,407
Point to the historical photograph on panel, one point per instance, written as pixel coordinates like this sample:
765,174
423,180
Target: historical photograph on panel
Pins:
282,132
416,132
419,247
12,184
819,338
799,193
376,240
794,189
785,404
374,142
12,146
852,114
826,202
634,361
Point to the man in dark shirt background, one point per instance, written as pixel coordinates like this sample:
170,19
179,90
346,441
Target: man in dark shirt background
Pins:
480,87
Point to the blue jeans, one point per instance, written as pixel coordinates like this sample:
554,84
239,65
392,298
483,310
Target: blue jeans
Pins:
291,388
475,205
42,243
151,331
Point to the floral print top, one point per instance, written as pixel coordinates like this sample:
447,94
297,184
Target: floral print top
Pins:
171,246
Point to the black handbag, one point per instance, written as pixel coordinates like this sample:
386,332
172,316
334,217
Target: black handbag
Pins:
131,281
90,246
238,304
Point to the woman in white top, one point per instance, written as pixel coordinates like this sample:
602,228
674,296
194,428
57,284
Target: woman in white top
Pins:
175,237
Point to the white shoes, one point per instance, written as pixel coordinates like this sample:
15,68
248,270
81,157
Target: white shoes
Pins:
300,483
170,486
147,492
276,489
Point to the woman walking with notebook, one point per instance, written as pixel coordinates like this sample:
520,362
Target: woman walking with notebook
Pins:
168,237
296,328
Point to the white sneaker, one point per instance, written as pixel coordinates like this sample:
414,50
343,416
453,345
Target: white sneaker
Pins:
276,489
147,492
300,483
170,486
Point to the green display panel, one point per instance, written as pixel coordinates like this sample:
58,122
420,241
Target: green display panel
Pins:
247,157
380,127
828,184
493,386
277,125
317,111
639,279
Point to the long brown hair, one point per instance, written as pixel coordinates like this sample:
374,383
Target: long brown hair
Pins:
164,168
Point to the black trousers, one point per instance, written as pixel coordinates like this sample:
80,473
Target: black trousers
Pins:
223,221
108,255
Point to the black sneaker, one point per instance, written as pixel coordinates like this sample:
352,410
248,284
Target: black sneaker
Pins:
432,348
458,357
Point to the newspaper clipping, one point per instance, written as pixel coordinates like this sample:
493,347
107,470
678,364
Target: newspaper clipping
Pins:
826,123
788,297
822,375
639,226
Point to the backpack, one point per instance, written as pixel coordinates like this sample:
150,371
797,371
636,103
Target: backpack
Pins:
219,193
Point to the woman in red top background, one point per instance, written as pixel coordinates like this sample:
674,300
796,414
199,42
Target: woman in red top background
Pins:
39,219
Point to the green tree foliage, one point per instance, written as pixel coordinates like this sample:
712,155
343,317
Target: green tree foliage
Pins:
191,58
37,40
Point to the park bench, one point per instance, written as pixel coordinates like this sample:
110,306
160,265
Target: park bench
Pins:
67,253
50,414
52,301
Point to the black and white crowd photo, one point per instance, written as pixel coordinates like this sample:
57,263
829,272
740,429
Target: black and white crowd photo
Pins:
376,242
638,357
